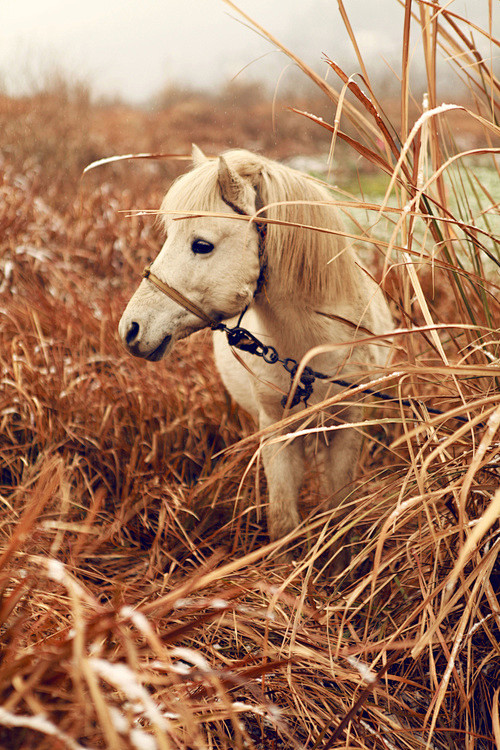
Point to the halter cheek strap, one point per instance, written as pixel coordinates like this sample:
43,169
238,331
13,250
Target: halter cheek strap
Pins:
261,227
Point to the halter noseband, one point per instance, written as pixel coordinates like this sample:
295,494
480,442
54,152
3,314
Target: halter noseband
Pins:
178,297
192,307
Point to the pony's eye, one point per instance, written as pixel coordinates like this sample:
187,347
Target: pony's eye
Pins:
202,247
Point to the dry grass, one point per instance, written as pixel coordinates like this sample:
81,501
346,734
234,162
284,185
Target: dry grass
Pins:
141,606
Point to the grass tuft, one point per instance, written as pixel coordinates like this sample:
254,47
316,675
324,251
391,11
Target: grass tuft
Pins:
141,604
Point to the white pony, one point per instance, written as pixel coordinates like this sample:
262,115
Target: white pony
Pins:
302,287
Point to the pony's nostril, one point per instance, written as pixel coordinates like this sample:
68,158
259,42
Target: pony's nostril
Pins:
132,333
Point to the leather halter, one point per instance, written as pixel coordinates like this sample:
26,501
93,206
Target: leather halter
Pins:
192,307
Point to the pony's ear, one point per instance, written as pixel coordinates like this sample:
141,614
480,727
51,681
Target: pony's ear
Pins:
198,156
234,189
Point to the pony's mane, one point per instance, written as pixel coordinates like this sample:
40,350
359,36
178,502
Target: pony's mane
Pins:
299,258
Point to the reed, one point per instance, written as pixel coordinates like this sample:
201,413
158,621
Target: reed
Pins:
141,604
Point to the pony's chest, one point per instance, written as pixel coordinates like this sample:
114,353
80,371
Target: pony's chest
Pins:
258,385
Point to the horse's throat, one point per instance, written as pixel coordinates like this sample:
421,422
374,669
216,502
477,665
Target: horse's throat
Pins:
292,325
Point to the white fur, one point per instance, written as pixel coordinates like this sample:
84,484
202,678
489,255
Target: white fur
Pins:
299,282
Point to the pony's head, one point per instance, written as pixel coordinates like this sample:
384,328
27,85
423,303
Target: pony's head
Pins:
216,260
212,260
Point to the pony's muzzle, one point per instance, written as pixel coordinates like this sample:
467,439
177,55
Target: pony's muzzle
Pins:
131,334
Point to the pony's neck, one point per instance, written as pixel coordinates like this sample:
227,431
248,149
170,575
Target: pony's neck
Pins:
293,319
292,322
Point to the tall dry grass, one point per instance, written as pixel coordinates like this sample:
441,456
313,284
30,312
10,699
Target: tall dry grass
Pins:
141,606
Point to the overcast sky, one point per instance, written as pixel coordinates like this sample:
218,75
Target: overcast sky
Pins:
134,48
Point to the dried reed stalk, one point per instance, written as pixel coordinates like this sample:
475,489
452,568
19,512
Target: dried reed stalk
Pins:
141,605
